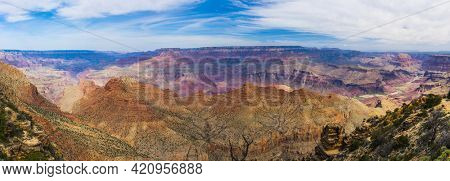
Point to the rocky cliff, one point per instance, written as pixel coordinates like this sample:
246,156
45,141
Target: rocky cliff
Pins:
416,131
161,123
34,128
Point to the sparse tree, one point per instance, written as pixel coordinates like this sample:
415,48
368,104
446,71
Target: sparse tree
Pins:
279,118
244,149
437,122
202,124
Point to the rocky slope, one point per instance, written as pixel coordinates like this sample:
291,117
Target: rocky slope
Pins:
439,63
35,120
52,71
21,138
128,120
165,125
229,103
395,77
122,109
415,131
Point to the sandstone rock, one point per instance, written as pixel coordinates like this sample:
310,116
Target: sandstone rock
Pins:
332,137
379,105
32,142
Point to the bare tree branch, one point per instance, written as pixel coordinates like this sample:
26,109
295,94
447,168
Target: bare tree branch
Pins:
244,150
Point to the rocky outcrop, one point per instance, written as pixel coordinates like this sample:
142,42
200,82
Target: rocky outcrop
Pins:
439,63
53,71
21,138
379,104
124,110
332,137
416,131
141,114
34,127
331,142
349,73
219,70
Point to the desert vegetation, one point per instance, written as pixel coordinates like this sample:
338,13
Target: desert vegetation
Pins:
280,112
416,131
20,138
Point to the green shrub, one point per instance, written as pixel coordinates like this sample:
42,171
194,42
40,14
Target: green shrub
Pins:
355,145
35,156
3,156
377,139
423,114
379,136
403,157
401,142
11,106
445,155
14,131
425,158
3,120
365,158
407,111
398,122
431,101
22,116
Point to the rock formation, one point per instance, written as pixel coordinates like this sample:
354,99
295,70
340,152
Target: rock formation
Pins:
416,131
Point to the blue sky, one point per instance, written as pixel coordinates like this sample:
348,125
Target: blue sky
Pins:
139,25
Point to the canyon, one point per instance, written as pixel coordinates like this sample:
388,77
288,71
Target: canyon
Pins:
218,103
391,77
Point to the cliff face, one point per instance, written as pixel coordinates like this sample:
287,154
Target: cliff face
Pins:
123,108
21,138
162,124
16,85
415,131
34,128
129,120
439,63
221,69
52,71
396,77
212,103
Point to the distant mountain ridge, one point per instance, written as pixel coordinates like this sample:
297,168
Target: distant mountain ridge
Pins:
108,123
156,105
398,76
71,60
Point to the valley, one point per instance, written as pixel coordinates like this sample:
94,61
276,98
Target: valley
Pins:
219,103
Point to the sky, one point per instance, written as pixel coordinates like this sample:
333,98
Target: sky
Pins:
142,25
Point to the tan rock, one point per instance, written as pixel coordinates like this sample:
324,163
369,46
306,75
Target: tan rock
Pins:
32,142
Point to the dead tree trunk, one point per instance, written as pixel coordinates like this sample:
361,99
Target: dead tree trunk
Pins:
244,149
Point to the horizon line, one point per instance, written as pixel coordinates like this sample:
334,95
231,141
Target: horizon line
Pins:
212,47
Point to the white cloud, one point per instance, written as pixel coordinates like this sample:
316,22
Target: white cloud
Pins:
338,18
18,10
79,9
346,17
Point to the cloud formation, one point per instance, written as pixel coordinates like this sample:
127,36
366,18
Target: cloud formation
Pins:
347,17
79,9
320,23
19,10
